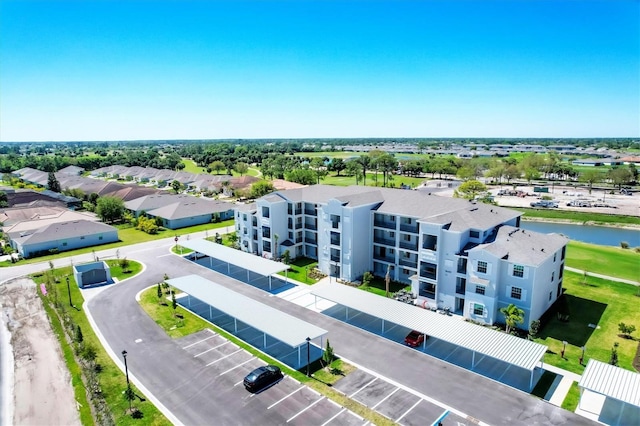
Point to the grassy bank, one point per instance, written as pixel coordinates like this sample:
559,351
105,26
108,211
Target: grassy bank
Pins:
578,217
163,316
612,261
602,303
111,379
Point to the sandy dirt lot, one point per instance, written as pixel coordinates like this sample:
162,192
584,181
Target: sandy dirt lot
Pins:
42,391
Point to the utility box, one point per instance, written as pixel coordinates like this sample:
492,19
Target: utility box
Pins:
541,189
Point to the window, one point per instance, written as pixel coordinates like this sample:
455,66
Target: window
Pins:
554,257
516,293
478,309
550,295
480,289
482,266
82,238
553,274
560,273
474,234
564,249
518,271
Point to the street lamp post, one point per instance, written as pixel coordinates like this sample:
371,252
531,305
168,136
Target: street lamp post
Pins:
564,346
126,371
582,356
69,292
308,356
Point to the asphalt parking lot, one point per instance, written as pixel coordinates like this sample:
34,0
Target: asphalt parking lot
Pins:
399,405
286,402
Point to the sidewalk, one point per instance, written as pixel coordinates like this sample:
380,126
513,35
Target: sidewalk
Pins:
604,277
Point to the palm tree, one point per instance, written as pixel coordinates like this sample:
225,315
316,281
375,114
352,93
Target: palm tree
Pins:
512,316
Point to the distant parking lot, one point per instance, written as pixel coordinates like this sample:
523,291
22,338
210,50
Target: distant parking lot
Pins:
287,402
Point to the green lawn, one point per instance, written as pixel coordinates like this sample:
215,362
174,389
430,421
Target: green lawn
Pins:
379,287
299,270
573,398
112,379
397,181
163,316
128,235
581,217
601,302
192,167
613,261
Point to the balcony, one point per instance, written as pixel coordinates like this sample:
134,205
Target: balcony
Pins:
389,259
412,228
310,240
408,262
335,241
298,211
298,225
311,226
335,258
428,294
462,266
310,212
385,241
408,245
384,224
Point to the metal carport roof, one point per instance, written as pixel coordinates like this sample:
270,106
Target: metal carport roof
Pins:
239,258
611,381
504,347
284,327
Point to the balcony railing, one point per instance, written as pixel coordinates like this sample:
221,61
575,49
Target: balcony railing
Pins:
310,212
405,227
409,245
428,294
384,224
428,274
385,241
335,258
299,211
409,263
335,241
299,225
389,259
310,226
310,240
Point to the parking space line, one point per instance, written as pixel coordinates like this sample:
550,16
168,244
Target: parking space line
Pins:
282,399
353,394
385,398
199,341
239,383
239,365
226,356
407,412
329,421
210,349
306,408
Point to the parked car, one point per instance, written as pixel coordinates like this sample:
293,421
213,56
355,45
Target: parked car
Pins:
547,204
262,377
579,203
414,339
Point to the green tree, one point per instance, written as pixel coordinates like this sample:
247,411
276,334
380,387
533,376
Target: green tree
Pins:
367,278
511,172
620,176
469,189
110,209
159,293
286,257
627,330
364,161
174,303
590,177
79,338
217,166
260,188
241,168
512,316
531,174
328,354
302,176
613,358
337,165
4,202
52,183
176,186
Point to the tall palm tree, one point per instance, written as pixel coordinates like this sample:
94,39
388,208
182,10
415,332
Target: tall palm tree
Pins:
512,316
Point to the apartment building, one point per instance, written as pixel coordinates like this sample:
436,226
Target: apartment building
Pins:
470,257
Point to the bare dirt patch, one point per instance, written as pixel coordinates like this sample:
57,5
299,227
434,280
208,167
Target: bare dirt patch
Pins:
42,391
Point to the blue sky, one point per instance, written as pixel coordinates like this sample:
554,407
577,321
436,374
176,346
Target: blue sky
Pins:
187,69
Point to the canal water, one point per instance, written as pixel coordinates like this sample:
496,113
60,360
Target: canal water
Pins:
592,234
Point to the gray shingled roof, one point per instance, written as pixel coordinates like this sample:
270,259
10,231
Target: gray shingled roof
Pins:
59,231
189,207
522,246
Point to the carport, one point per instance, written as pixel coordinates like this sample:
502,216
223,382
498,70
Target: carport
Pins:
479,340
282,327
620,389
241,259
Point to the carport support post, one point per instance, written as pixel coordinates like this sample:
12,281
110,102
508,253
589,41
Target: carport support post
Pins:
383,327
531,382
235,325
269,282
210,313
308,356
473,360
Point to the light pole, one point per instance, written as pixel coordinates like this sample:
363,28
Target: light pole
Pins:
308,356
564,346
126,371
582,356
69,293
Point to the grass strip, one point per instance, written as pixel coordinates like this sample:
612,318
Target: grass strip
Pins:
572,399
612,261
191,323
111,378
579,217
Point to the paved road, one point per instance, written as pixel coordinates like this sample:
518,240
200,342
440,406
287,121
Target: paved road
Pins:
178,383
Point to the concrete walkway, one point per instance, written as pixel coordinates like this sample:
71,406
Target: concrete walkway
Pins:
604,277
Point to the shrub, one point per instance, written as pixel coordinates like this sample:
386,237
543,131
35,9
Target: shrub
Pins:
534,328
627,330
624,244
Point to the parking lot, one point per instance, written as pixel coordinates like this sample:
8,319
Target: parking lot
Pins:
399,405
286,402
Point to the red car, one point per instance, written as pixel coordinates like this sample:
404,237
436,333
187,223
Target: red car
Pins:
414,339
